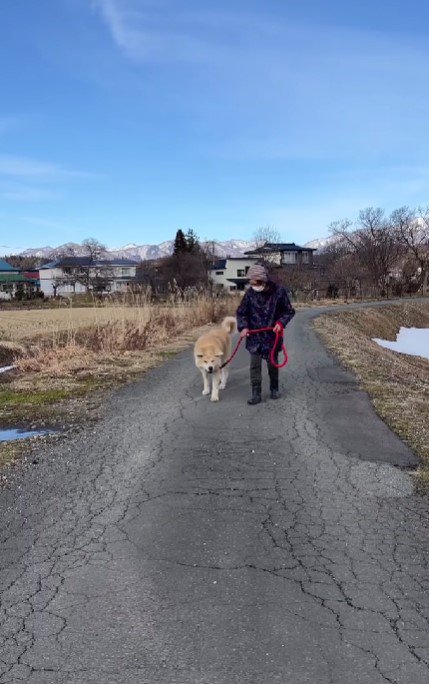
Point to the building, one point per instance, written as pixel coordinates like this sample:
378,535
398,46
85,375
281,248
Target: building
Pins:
14,283
77,275
284,254
230,273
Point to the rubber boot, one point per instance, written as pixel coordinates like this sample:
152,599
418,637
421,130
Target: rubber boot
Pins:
274,390
256,395
274,381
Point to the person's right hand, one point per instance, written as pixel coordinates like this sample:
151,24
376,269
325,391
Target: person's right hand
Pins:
244,332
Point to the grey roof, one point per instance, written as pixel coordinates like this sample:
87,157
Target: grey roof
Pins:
85,261
280,247
221,263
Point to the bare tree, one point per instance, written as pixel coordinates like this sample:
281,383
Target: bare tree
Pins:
94,275
412,231
374,242
94,249
266,234
68,277
342,270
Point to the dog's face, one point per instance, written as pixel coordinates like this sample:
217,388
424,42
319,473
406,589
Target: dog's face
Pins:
209,359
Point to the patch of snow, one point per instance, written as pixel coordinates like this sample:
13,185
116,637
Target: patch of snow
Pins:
4,369
413,341
322,243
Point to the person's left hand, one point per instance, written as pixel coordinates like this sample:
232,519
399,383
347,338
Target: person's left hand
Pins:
278,328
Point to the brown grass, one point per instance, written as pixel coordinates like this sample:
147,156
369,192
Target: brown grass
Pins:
78,339
398,384
69,353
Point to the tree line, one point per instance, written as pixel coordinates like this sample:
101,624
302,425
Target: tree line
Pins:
381,254
376,255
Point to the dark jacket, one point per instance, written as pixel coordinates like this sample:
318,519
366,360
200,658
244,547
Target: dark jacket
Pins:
263,310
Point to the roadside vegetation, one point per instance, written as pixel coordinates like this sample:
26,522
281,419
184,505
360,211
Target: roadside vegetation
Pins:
67,359
398,384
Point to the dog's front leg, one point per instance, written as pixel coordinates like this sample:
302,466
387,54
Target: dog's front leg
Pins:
223,378
206,388
215,386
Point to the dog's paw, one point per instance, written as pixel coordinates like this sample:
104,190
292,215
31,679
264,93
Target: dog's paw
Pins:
222,386
215,398
206,392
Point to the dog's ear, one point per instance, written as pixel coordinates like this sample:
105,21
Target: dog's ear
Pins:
219,354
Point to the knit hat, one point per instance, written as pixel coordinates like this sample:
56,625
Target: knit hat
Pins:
257,272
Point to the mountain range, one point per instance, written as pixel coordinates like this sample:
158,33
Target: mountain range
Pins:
233,248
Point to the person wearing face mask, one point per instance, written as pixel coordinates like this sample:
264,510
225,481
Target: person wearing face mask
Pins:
265,304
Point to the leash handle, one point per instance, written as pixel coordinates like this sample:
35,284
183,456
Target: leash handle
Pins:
279,336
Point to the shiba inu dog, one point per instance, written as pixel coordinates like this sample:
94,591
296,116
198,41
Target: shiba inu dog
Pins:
211,350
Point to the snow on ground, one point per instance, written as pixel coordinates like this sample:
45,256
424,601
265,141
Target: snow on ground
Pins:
414,341
4,369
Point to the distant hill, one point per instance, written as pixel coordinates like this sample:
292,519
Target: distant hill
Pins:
233,248
144,252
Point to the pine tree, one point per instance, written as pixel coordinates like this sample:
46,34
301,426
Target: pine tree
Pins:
192,242
180,243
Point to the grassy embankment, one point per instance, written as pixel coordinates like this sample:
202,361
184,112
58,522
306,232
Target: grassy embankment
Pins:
398,384
66,358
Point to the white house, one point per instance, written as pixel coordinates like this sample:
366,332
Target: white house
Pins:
230,273
76,275
284,254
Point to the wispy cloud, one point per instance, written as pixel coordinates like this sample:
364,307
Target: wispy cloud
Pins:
17,166
148,31
273,88
23,193
53,225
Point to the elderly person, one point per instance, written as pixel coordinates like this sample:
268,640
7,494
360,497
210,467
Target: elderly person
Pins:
265,304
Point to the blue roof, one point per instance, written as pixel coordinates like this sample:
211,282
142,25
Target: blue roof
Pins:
4,266
218,265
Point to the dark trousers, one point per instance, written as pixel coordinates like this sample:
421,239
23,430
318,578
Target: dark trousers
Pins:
256,372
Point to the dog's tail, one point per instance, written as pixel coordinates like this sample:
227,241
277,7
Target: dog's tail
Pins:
229,324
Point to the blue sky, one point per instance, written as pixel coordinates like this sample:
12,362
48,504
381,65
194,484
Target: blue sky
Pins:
125,120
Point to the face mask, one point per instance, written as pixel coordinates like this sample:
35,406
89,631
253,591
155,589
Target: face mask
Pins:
258,288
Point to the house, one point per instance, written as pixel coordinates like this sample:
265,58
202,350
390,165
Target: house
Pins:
230,273
77,275
284,254
13,282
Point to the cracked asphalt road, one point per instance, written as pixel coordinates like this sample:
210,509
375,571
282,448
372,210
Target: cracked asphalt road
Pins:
186,542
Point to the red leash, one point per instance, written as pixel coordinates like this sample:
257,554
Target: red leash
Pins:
279,336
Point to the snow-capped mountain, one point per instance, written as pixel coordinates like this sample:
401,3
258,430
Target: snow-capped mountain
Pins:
52,252
233,248
144,252
322,243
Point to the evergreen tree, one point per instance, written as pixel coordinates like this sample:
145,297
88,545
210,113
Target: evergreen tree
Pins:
180,243
192,242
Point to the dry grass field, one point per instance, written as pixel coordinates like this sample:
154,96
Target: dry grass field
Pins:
19,325
63,355
398,384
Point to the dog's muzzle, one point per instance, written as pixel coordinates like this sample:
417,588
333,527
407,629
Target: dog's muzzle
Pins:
210,369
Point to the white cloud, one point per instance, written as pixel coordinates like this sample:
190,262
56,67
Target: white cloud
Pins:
264,87
16,166
28,194
55,225
148,31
